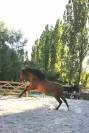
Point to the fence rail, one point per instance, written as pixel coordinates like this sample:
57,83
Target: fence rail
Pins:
12,85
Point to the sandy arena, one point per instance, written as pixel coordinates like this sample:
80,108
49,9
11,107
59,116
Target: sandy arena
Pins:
32,115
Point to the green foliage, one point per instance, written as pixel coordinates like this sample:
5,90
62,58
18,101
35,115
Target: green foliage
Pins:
52,76
11,53
46,52
62,49
75,39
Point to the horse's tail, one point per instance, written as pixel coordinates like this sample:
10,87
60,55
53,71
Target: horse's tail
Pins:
65,101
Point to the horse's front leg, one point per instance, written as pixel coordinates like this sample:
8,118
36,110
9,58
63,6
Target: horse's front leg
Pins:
24,91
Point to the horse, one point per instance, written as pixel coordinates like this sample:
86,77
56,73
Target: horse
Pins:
39,83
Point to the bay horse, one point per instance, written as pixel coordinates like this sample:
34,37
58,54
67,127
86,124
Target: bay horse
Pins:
39,83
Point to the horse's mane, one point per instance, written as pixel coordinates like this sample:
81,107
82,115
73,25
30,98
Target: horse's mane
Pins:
35,72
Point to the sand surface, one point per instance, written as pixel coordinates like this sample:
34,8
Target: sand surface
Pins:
32,115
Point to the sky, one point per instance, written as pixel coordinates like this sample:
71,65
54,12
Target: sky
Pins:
31,16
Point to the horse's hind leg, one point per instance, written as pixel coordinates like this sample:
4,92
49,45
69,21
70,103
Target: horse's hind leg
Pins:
65,101
60,102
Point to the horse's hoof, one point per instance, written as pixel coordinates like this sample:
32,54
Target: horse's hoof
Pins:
19,97
56,109
68,109
51,107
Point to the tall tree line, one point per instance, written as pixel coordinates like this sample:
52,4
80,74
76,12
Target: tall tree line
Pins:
61,49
